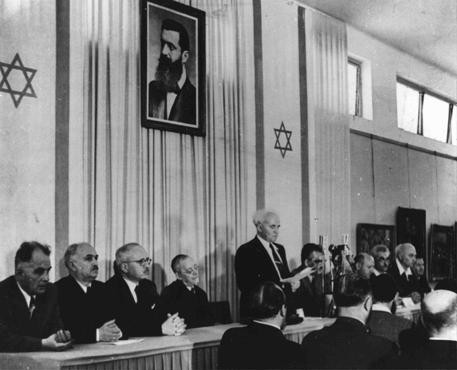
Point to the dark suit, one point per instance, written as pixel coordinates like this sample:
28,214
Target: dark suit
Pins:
18,331
253,265
258,346
184,106
386,325
135,319
435,354
310,296
346,344
421,283
82,313
405,287
193,307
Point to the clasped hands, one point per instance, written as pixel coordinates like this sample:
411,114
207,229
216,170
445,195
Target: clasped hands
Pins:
59,341
173,325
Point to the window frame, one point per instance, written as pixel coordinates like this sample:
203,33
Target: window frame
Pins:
358,87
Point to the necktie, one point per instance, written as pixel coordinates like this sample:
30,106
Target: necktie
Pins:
32,305
405,277
278,262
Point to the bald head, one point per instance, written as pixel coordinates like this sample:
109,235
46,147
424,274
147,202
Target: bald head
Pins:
364,264
439,313
406,254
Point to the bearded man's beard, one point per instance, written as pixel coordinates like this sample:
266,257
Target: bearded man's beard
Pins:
169,73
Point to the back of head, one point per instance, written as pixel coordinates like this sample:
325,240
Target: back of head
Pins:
308,249
360,258
265,301
439,312
26,249
353,292
384,288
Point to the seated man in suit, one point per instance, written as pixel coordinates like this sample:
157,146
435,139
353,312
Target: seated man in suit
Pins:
261,345
439,315
135,296
400,270
84,304
184,296
314,294
262,259
382,322
419,275
29,313
364,265
381,255
347,343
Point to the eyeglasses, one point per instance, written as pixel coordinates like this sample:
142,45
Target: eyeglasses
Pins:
143,261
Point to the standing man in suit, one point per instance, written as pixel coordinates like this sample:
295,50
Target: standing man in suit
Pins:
262,259
171,95
135,296
382,322
84,303
381,255
184,296
29,313
261,345
347,343
400,270
439,315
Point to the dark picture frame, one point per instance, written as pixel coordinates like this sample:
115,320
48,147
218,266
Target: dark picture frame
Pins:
441,253
173,89
369,235
411,229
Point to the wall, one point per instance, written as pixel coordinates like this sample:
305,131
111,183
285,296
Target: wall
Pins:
27,132
385,175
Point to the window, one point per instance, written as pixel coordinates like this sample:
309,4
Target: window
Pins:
424,113
355,88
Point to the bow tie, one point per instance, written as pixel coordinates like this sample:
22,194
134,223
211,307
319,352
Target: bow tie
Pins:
176,89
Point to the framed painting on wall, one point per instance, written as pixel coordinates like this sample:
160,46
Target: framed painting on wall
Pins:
369,235
411,228
442,252
173,67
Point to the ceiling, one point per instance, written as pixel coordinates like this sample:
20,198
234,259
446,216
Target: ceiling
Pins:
426,29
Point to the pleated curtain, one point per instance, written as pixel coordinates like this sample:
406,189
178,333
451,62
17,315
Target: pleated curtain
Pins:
173,193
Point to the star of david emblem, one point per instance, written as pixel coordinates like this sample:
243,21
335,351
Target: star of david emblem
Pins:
279,139
16,80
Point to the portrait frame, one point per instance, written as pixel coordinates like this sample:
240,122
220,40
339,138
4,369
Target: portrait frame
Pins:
171,99
441,253
369,235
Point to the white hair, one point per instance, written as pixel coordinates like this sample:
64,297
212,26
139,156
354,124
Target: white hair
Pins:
261,215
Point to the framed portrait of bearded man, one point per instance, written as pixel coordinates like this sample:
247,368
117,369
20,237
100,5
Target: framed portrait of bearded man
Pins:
172,67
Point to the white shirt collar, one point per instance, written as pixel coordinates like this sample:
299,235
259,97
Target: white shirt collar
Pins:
401,269
25,294
376,272
267,323
183,77
83,287
132,285
380,307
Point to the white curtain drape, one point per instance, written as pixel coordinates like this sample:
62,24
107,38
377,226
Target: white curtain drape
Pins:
172,193
327,127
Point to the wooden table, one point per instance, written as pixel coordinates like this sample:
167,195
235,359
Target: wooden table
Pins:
196,349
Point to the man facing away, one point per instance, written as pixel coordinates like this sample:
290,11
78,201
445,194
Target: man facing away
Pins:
184,296
84,304
347,343
135,296
400,270
172,96
29,313
381,255
382,322
261,344
439,316
262,259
